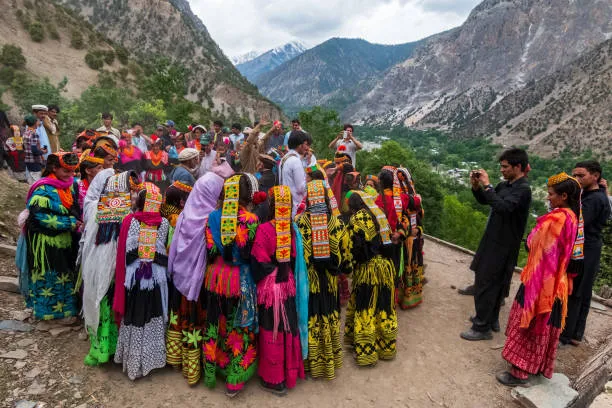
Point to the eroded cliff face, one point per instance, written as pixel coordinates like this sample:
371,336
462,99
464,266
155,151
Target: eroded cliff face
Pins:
152,28
502,46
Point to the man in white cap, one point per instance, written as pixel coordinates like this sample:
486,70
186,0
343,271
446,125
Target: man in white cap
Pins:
188,166
40,111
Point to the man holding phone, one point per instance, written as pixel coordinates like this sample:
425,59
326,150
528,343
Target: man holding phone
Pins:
346,139
496,257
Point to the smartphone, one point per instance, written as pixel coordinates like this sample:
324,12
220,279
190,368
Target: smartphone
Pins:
345,134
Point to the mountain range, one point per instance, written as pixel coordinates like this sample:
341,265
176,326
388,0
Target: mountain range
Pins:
504,46
259,64
332,73
499,75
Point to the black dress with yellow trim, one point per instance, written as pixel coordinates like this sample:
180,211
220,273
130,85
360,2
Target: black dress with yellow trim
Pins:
324,346
371,320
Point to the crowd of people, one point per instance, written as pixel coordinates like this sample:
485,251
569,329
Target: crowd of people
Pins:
225,253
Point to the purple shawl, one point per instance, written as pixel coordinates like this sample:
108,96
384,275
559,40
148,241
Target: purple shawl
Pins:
187,257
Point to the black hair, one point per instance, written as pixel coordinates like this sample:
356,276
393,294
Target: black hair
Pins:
53,162
385,179
317,175
55,108
355,203
86,165
296,120
107,115
100,152
515,157
255,123
298,137
591,166
267,164
237,126
572,189
218,123
136,124
244,191
348,125
140,201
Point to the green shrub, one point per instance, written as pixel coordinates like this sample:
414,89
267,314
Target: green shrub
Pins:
7,74
94,61
123,73
109,57
76,40
122,55
11,56
37,32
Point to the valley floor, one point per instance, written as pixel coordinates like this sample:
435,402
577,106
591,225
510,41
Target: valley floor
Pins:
433,368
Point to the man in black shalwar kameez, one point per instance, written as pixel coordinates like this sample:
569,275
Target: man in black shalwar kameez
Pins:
595,211
498,251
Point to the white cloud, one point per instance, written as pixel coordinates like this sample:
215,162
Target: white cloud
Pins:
239,26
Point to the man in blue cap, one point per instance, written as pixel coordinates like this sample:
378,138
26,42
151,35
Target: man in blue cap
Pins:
170,126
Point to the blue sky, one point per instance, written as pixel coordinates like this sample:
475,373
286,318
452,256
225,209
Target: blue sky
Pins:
239,26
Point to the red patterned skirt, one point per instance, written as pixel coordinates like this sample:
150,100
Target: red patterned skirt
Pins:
532,350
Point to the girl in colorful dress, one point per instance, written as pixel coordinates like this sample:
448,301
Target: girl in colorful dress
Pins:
280,352
53,215
141,287
322,233
371,321
394,204
231,317
15,153
186,266
538,313
156,164
130,156
411,279
89,167
106,204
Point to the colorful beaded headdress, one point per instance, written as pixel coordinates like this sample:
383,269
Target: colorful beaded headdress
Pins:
397,192
385,231
87,156
282,217
147,237
578,250
229,210
67,160
318,219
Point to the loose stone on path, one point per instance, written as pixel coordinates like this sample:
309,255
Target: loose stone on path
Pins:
18,354
9,284
15,325
545,393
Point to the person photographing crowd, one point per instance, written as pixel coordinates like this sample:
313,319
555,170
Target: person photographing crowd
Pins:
498,251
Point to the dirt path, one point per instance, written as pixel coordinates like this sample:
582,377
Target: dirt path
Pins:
433,368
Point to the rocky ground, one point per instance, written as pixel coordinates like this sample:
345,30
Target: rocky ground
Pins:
433,368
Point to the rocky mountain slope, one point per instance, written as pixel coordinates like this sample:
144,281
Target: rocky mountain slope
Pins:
60,53
333,73
502,46
152,28
260,64
567,109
